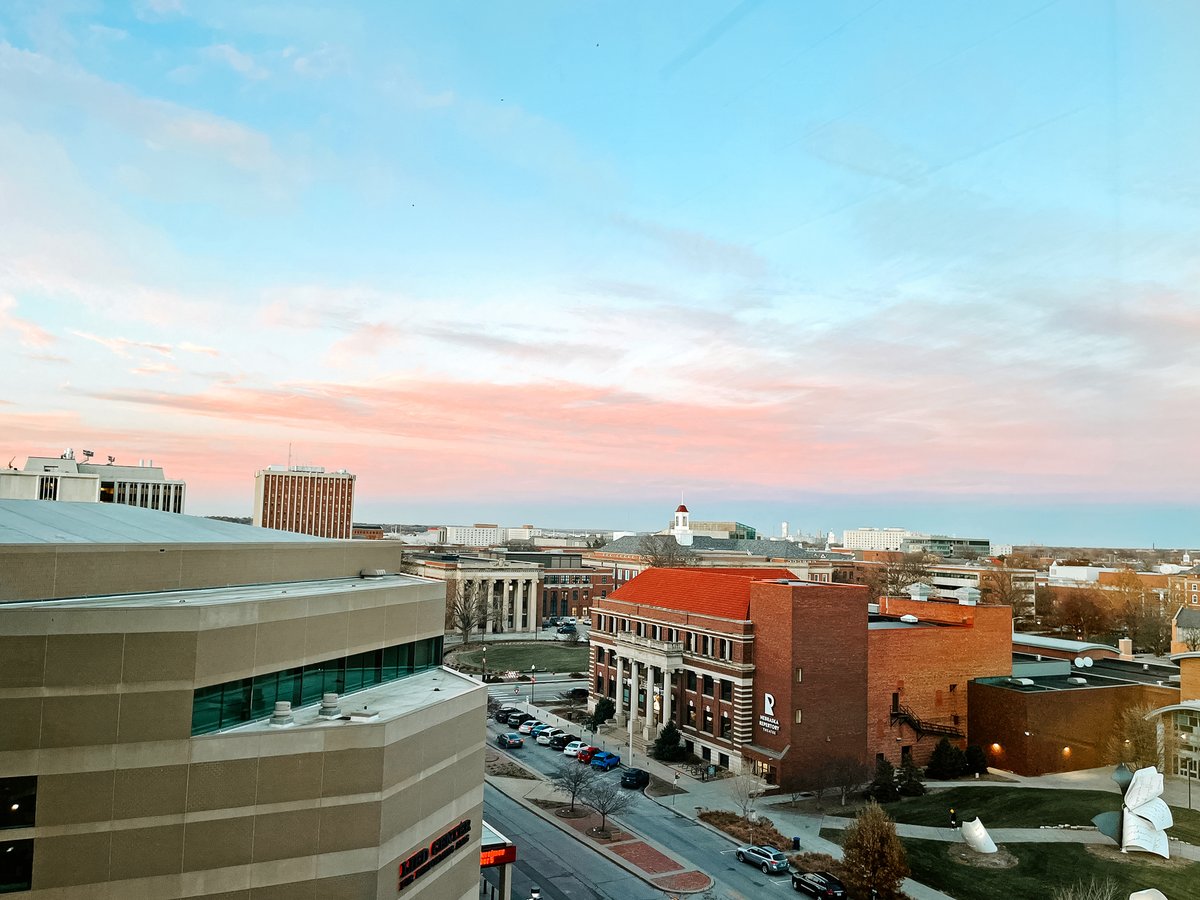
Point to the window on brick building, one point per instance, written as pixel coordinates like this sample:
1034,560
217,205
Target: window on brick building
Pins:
726,689
953,688
690,714
726,727
799,675
799,717
691,680
708,686
708,720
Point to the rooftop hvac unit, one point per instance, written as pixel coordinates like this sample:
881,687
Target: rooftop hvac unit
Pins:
910,619
1076,679
1024,682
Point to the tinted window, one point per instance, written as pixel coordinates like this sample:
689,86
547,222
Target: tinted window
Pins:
16,866
18,801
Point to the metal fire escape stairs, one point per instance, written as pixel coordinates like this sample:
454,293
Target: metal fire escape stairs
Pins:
903,715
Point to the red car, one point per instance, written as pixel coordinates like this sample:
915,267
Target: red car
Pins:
585,754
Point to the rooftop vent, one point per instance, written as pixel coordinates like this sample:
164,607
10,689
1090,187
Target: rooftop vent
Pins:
363,715
919,591
372,573
329,707
1076,679
910,619
967,596
283,714
1024,682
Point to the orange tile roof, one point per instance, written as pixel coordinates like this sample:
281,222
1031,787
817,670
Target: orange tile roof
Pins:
710,592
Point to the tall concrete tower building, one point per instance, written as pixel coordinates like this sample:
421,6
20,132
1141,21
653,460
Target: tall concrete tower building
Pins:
305,499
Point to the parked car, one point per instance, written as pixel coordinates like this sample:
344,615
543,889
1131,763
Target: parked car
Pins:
586,753
770,860
560,741
546,735
818,884
576,694
515,720
528,725
510,740
573,748
539,728
635,778
567,629
504,712
604,761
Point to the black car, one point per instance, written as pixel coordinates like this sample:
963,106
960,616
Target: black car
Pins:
504,712
517,719
567,629
635,778
818,884
560,741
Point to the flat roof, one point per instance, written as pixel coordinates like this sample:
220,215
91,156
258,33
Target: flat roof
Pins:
1053,643
238,593
62,522
388,701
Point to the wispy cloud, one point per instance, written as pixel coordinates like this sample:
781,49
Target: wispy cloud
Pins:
122,346
29,334
242,63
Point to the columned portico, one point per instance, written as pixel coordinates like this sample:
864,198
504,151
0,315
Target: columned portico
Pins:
649,664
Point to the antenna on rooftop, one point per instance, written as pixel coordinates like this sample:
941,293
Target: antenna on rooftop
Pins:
87,455
111,460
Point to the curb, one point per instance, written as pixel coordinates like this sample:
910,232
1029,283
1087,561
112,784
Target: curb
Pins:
600,848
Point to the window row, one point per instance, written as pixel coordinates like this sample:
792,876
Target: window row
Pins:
221,706
694,642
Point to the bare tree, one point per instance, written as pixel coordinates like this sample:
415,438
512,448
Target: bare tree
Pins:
745,790
818,777
1139,742
892,579
1080,610
662,551
849,774
607,798
1190,637
465,610
998,587
572,779
1092,889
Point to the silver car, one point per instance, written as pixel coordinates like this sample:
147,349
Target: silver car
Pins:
770,860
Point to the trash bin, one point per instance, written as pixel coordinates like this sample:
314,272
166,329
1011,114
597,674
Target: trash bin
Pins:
795,843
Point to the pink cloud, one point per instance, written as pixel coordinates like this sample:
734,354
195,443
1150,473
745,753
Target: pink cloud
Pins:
28,333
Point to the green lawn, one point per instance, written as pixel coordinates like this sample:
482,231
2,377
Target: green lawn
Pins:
1013,807
547,656
1041,869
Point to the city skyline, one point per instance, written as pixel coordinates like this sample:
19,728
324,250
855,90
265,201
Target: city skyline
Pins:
852,264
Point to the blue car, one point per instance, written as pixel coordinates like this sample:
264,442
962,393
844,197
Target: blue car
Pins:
604,761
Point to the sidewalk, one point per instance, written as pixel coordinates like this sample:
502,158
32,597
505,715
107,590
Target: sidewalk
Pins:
638,855
715,795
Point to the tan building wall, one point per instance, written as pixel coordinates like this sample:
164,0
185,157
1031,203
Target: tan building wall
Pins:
96,697
51,571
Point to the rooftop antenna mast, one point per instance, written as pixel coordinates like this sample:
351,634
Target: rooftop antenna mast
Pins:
289,454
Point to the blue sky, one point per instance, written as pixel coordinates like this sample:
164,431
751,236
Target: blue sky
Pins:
563,260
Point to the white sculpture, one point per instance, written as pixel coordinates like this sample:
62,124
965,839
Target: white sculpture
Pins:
977,837
1148,894
1146,815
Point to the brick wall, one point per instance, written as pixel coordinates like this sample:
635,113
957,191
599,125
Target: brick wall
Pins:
928,669
1067,730
821,630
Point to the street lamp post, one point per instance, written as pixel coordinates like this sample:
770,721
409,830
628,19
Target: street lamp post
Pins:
485,666
532,682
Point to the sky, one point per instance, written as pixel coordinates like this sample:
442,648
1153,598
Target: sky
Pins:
869,262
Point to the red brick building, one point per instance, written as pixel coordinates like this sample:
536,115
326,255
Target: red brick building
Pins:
767,674
919,671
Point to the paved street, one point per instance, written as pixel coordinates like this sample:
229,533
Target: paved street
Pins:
686,838
562,867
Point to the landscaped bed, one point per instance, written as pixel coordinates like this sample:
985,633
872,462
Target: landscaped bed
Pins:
518,657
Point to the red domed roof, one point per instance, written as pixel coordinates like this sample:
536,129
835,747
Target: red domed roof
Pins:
681,508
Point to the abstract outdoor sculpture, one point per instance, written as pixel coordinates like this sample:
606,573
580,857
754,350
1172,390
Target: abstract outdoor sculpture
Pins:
977,837
1142,821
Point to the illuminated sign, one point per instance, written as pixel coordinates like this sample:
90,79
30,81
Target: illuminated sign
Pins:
428,857
497,856
767,721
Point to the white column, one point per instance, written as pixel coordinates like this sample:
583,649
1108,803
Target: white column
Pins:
648,720
633,689
493,624
620,688
668,713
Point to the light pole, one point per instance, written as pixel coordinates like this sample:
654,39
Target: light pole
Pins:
532,682
485,666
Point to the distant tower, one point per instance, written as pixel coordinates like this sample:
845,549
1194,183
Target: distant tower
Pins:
830,540
783,531
1187,558
681,529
